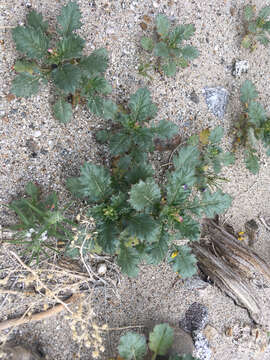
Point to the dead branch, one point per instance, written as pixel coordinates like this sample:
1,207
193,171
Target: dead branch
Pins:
230,264
38,316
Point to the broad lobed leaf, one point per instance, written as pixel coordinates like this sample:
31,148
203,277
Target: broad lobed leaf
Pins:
185,262
128,260
25,85
69,19
132,346
248,92
215,203
144,227
145,195
30,41
35,20
62,110
165,129
161,339
94,183
141,106
67,77
70,47
94,64
163,25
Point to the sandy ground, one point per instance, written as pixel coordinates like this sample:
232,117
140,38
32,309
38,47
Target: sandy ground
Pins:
27,126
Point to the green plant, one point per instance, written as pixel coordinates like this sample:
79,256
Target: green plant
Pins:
135,218
132,346
212,157
39,221
166,45
256,28
253,126
74,76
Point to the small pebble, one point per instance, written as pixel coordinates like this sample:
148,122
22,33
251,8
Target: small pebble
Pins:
37,133
102,269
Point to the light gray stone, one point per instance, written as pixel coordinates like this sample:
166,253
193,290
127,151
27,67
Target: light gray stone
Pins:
240,67
216,99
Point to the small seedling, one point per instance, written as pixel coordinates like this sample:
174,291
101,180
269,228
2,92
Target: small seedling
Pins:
252,127
167,47
133,346
40,220
212,157
256,28
75,77
135,218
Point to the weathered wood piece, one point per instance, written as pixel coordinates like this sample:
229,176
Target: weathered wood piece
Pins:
230,264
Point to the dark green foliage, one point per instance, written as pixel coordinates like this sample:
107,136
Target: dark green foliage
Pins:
167,47
257,29
40,220
76,77
133,346
137,219
252,127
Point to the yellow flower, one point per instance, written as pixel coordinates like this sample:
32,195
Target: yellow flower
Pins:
241,233
174,254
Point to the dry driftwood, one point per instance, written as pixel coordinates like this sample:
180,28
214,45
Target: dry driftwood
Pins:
230,264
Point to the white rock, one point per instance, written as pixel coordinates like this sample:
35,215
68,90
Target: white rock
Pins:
37,133
101,269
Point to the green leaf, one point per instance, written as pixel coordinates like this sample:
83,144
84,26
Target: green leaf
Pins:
215,203
248,92
268,152
184,263
95,104
67,78
188,228
183,63
180,33
95,64
161,339
69,19
33,191
216,135
62,110
108,237
143,138
147,43
166,129
31,42
109,109
252,27
264,40
96,84
157,251
246,42
139,172
26,67
120,143
252,162
163,25
170,68
256,113
177,191
249,12
189,52
70,47
25,85
266,26
132,346
264,12
128,259
94,183
144,227
227,158
35,20
188,156
161,50
144,195
141,106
